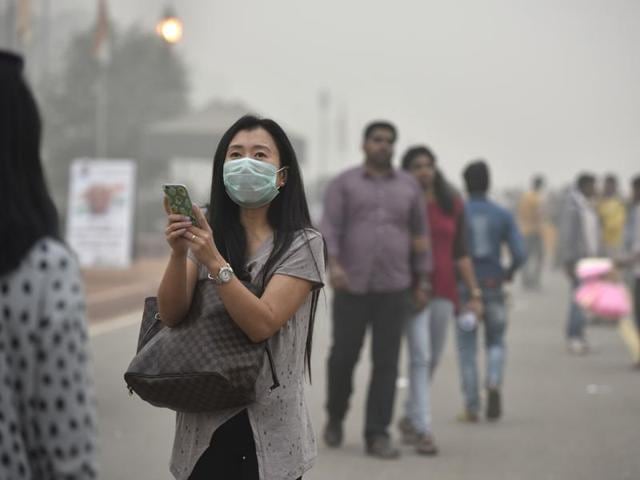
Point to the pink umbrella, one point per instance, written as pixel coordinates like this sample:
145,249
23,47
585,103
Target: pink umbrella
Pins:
604,299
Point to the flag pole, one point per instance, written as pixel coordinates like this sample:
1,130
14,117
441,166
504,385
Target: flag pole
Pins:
23,24
10,26
101,52
101,113
324,101
343,135
45,50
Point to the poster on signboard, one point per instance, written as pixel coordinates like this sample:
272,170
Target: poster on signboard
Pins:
100,211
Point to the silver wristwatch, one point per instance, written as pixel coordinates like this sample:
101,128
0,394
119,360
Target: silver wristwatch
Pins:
225,274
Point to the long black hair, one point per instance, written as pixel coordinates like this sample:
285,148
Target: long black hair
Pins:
288,213
28,213
443,192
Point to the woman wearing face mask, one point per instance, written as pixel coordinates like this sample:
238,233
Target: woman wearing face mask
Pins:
426,332
257,229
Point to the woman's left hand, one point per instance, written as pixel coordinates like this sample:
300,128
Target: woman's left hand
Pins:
202,244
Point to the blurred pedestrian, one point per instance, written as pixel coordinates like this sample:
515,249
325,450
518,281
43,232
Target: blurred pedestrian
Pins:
427,329
612,211
47,403
374,223
490,229
259,218
531,222
633,250
578,238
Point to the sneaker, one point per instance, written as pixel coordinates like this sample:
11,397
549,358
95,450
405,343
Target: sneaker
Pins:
494,404
426,445
577,346
467,416
380,447
408,434
333,434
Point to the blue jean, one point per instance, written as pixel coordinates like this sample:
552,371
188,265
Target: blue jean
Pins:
426,334
577,319
495,325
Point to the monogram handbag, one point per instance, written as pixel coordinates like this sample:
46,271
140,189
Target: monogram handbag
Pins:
206,363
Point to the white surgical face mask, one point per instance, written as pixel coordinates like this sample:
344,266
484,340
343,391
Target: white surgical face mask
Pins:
250,183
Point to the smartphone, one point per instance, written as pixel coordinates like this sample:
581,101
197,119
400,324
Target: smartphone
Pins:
179,200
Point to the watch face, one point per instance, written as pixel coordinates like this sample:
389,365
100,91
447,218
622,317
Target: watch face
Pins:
225,275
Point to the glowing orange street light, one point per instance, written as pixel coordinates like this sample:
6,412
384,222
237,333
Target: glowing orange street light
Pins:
169,28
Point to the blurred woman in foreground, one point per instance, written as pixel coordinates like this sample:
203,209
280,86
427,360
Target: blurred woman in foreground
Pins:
47,406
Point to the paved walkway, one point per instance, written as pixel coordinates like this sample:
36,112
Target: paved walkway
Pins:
566,418
112,292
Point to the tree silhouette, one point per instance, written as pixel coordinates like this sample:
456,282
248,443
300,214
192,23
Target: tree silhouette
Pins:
145,81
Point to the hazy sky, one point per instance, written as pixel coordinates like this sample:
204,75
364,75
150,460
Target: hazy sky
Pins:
535,85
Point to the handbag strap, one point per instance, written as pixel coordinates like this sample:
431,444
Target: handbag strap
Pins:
274,374
272,365
267,347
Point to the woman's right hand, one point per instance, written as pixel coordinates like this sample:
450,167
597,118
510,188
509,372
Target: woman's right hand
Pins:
177,225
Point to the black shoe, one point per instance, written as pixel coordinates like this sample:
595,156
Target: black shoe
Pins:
333,434
494,407
380,447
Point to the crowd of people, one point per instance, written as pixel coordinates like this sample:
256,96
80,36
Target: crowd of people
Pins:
394,233
408,255
591,222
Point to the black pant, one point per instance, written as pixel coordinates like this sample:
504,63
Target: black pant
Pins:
352,314
231,454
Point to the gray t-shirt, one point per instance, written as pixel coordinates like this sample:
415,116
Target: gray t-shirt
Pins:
282,431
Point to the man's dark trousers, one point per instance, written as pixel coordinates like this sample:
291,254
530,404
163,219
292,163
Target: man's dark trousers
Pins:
385,313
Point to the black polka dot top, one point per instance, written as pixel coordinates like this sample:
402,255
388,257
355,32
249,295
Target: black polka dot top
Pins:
47,403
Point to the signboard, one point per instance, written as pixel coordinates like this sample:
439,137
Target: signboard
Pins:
100,211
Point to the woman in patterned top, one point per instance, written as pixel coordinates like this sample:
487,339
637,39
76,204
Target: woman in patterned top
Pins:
258,229
47,406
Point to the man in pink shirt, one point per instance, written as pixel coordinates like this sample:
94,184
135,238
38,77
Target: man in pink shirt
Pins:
375,230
